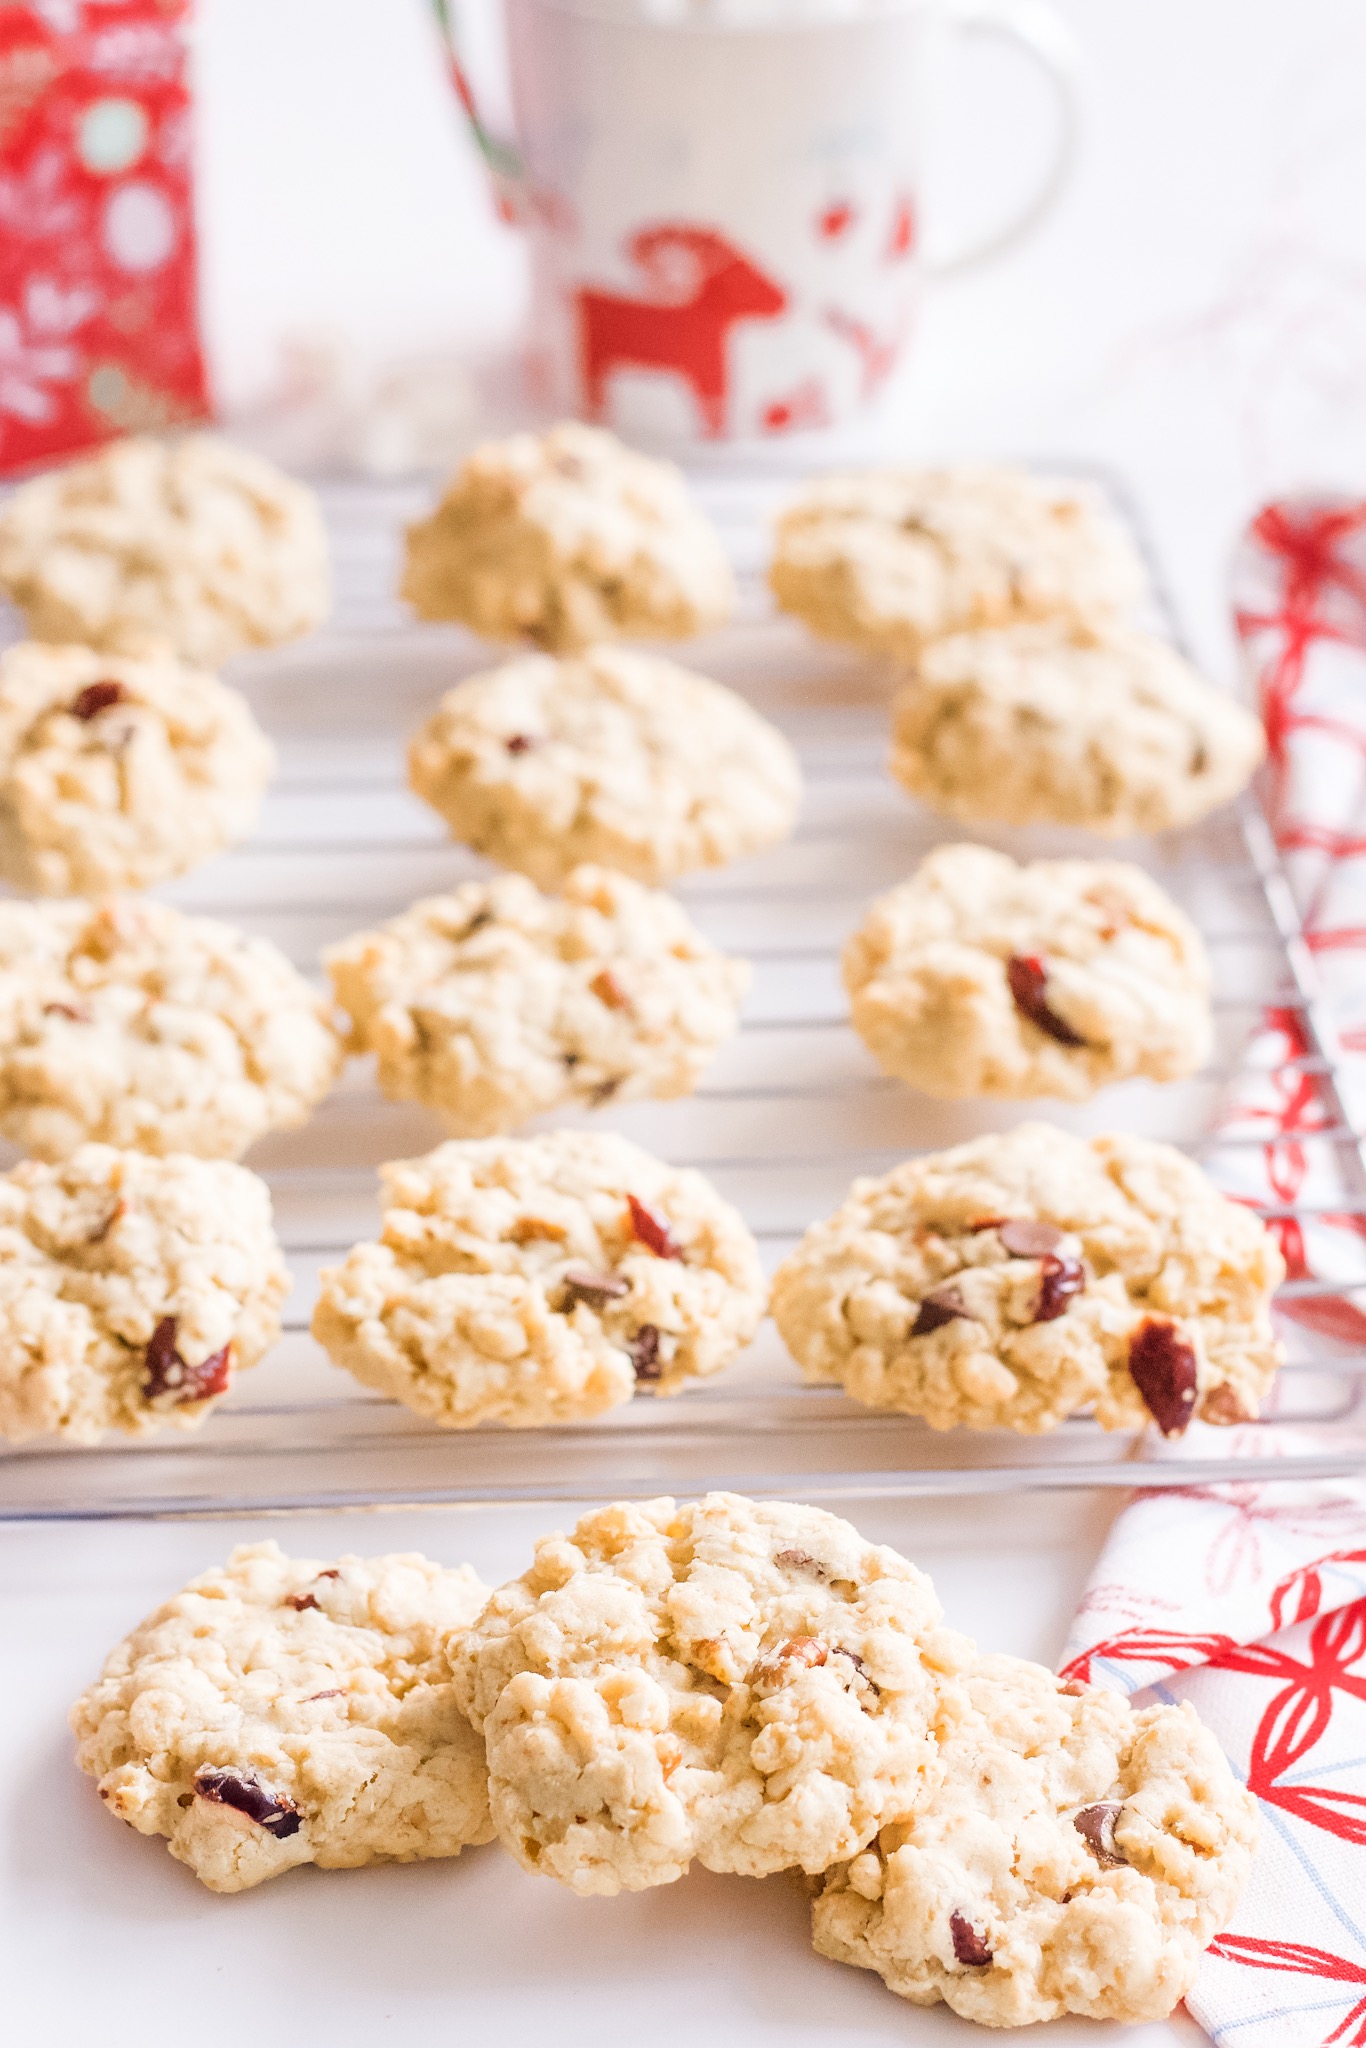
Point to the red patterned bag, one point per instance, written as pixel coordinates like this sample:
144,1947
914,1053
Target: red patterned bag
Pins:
99,329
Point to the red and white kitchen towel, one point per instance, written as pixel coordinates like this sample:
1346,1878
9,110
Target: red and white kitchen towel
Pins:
1250,1599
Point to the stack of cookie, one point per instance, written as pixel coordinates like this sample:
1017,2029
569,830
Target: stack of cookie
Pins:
751,1686
142,1050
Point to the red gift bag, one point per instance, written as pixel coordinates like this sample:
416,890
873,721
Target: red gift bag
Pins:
99,327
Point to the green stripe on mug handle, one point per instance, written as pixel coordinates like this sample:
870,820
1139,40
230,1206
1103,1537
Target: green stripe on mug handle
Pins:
1039,33
501,159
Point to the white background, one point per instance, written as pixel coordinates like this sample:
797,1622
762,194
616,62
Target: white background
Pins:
1195,315
1194,312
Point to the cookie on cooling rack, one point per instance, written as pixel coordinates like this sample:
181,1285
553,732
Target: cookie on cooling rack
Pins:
617,758
120,771
1019,1278
1068,1856
132,1289
496,1003
890,560
541,1280
564,539
127,1022
285,1710
981,977
1056,724
203,545
747,1683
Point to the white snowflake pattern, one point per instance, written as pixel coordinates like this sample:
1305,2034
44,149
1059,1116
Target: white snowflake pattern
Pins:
36,349
37,203
63,17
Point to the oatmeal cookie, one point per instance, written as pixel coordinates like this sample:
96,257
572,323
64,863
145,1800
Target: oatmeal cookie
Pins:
541,1280
615,757
127,1022
201,544
131,1291
1068,725
1019,1278
285,1710
119,771
747,1683
495,1003
1071,1856
980,977
891,560
564,539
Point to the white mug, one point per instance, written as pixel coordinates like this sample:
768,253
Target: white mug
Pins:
725,215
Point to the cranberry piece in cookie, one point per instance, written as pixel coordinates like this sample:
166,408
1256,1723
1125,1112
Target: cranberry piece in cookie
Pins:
968,1945
652,1231
94,698
1028,979
170,1378
1059,1280
277,1815
1163,1367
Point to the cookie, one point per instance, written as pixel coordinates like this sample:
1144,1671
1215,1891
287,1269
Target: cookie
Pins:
201,544
1071,1856
119,771
747,1683
890,560
541,1280
1019,1278
1059,725
564,539
282,1711
131,1291
981,977
496,1003
617,758
129,1023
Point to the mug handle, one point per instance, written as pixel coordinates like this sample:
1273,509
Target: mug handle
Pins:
502,161
1036,30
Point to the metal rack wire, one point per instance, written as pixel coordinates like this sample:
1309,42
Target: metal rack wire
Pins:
791,1110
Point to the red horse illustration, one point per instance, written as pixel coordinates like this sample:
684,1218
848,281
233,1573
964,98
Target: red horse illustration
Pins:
700,286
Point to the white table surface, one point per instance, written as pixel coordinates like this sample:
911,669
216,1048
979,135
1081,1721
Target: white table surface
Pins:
1195,315
107,1940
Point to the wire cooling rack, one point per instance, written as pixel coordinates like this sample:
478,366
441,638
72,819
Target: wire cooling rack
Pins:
789,1112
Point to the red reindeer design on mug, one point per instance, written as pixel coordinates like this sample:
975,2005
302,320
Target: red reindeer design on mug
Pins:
699,286
777,166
